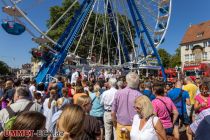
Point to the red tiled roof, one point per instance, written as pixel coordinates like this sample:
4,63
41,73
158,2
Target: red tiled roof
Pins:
197,33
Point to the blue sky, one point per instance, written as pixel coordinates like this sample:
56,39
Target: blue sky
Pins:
14,50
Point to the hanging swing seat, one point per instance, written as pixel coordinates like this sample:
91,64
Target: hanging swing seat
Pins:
40,40
12,27
164,2
36,54
12,11
163,18
159,32
47,55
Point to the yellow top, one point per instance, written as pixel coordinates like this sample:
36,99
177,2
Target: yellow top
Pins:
191,89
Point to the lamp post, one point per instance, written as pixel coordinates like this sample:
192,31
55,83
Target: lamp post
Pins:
196,73
177,71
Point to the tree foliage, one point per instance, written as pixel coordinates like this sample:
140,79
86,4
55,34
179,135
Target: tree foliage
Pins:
86,41
4,68
176,58
169,60
165,57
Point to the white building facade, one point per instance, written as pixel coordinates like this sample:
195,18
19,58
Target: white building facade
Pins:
195,45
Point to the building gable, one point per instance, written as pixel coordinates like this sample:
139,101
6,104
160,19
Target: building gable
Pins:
196,33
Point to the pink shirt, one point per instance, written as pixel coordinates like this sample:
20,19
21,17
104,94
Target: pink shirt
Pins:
201,100
161,111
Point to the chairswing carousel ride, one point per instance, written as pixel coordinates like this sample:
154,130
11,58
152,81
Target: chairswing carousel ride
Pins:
101,32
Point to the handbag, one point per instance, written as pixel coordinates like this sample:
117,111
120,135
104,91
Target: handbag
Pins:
170,114
169,137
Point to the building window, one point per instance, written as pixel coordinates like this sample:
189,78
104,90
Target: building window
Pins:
187,47
191,57
190,46
205,56
208,43
205,44
186,57
200,34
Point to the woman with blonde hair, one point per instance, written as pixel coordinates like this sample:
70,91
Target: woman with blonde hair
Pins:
145,125
71,123
79,91
91,124
97,109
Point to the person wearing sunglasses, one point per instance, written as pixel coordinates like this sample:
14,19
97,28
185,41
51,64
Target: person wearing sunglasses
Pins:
202,100
146,126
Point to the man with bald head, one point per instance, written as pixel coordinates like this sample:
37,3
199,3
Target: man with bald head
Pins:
180,98
192,89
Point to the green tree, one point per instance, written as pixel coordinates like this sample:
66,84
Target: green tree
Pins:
4,68
176,58
165,57
86,41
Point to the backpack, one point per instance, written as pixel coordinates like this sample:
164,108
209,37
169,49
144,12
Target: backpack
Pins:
179,102
13,115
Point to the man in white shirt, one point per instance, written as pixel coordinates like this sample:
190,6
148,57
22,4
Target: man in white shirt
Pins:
107,100
32,87
74,77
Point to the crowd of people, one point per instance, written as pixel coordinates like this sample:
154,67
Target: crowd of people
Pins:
106,106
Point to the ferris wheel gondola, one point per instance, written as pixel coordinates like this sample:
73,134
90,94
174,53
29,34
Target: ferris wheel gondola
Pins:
12,26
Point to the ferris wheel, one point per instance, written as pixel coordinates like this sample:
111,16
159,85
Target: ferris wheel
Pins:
123,31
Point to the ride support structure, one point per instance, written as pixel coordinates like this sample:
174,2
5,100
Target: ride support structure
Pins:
67,39
114,30
139,24
65,42
150,20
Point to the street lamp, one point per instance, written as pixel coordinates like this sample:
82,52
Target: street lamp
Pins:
177,71
196,72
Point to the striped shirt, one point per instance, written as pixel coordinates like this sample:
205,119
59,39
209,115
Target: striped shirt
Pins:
199,118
